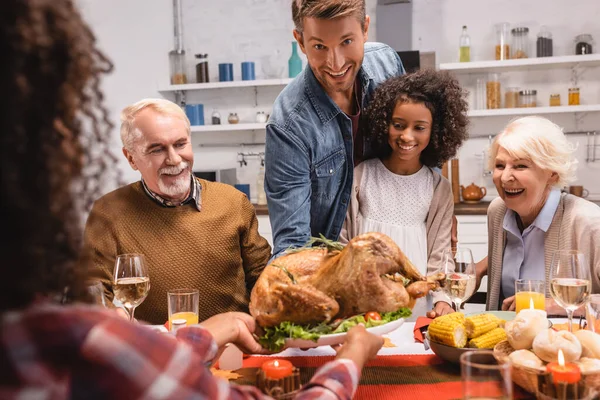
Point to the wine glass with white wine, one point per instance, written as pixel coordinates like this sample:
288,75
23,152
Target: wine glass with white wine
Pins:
458,265
131,281
570,281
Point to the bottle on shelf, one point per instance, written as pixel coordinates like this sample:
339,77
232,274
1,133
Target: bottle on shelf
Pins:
294,63
465,46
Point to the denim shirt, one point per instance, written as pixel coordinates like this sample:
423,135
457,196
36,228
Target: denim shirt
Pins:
309,153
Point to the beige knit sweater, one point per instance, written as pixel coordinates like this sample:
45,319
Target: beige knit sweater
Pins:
575,226
217,250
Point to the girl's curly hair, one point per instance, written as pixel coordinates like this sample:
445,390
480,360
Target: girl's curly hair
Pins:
440,93
55,153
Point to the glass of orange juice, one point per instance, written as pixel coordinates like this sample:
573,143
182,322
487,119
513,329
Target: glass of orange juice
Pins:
183,305
528,292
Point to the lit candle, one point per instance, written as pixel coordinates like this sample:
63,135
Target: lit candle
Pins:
532,311
563,372
277,369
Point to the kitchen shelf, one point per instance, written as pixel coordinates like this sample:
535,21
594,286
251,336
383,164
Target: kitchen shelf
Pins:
228,127
225,85
588,60
534,110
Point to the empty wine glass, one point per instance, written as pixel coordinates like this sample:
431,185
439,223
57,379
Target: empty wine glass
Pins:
570,282
131,281
458,265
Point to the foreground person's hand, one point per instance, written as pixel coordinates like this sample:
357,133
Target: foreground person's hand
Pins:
236,328
360,346
440,308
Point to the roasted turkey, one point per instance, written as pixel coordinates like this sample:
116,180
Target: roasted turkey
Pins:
316,284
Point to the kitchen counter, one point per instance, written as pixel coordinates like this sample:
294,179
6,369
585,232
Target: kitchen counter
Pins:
261,209
471,208
459,209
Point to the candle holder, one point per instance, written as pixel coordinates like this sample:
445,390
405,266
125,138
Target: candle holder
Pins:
280,389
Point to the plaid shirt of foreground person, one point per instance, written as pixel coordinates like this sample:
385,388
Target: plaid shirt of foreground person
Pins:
80,352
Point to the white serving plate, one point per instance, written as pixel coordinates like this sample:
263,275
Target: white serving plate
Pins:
338,338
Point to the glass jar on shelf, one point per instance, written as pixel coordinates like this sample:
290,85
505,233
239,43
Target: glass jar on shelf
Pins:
543,44
528,98
502,41
492,91
584,44
574,96
520,42
511,97
555,100
202,68
177,63
233,118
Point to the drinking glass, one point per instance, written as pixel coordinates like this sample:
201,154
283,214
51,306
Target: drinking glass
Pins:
183,304
530,292
592,313
570,283
96,293
131,281
483,377
458,265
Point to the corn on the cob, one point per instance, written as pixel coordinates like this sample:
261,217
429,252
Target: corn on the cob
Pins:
479,324
448,331
488,340
455,316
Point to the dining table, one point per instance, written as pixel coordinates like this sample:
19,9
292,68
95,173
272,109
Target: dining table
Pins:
405,370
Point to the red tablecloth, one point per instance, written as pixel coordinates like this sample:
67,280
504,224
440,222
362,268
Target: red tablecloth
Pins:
418,377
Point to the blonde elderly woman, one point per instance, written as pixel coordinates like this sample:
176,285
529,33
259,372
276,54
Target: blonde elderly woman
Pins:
532,160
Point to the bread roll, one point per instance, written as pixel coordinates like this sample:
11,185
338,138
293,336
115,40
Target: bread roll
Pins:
526,358
547,343
523,329
588,365
590,343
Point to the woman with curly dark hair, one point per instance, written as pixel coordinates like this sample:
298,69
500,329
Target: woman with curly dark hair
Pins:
55,155
414,123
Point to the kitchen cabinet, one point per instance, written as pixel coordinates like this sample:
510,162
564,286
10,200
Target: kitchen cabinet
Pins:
472,233
264,228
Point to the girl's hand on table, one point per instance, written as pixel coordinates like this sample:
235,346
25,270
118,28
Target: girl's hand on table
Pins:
360,346
509,304
440,308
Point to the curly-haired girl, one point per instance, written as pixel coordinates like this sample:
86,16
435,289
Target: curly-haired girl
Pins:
414,123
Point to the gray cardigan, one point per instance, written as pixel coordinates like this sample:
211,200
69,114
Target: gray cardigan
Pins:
575,226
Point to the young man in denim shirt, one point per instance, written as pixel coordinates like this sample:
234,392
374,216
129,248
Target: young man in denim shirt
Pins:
312,144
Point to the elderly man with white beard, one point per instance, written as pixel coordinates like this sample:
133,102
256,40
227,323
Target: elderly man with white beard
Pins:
193,233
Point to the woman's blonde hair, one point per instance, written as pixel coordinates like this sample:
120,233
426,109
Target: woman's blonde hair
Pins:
541,141
129,131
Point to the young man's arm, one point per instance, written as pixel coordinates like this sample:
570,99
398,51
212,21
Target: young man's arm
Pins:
288,189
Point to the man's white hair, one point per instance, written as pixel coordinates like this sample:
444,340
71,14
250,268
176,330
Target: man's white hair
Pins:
129,132
541,141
